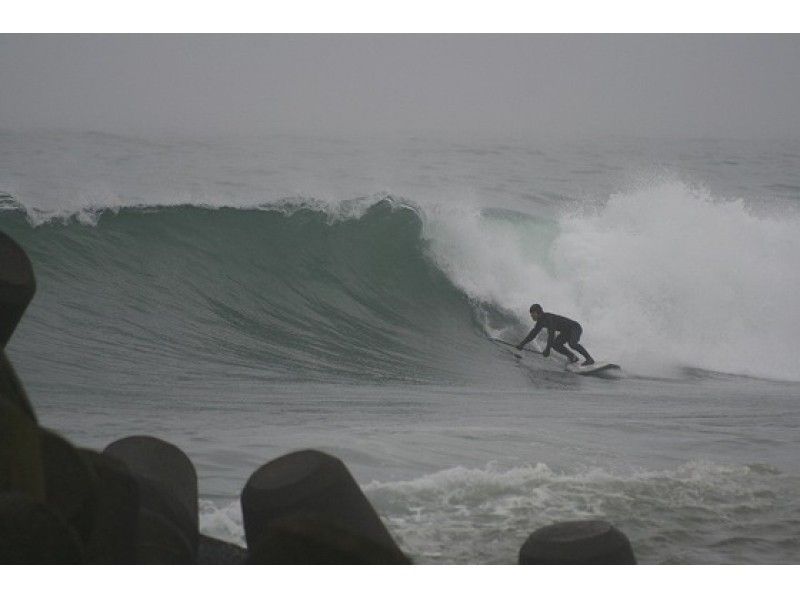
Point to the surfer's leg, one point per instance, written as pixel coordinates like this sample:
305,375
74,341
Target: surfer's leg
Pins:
587,358
574,337
558,345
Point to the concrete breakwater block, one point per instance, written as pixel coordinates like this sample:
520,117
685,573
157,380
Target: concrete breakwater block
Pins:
305,539
160,541
95,495
69,487
306,504
11,389
17,285
31,533
577,543
114,535
167,486
212,551
20,452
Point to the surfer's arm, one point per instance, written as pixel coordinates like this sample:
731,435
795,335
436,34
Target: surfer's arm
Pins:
531,335
550,335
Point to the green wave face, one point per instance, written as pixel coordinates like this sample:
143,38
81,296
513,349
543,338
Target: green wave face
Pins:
279,294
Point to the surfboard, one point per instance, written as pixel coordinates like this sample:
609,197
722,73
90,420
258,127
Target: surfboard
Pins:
596,368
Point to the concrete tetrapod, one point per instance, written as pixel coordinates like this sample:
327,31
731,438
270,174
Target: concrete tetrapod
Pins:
20,452
11,388
577,543
212,551
114,536
167,480
17,285
305,507
32,533
69,487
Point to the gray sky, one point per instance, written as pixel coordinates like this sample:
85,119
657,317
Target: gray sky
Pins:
711,85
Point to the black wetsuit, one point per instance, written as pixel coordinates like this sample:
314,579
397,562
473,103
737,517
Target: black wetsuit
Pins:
569,332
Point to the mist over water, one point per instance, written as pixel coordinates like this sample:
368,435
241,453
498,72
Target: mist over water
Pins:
248,297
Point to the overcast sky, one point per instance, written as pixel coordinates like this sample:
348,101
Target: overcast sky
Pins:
715,85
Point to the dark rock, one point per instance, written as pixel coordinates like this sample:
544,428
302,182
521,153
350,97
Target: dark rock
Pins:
577,543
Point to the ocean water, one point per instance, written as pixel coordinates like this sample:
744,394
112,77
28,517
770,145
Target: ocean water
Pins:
247,297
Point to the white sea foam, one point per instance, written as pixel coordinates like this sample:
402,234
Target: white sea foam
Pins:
223,522
455,514
671,272
468,515
665,275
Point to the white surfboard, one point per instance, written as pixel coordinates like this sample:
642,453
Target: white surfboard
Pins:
596,368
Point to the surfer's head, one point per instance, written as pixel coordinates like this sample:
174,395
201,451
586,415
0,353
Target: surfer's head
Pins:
536,311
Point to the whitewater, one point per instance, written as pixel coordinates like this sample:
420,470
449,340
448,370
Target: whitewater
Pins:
247,297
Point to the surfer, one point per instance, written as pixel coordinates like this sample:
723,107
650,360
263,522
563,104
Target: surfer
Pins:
569,332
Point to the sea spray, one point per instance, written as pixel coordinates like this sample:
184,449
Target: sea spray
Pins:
661,277
669,274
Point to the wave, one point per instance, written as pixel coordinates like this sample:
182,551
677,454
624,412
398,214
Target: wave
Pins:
663,278
280,292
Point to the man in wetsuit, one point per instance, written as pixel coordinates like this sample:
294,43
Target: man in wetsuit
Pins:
569,332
